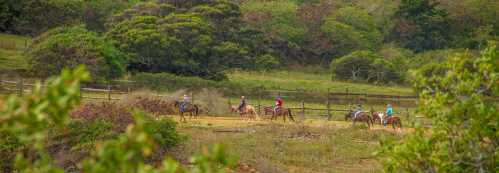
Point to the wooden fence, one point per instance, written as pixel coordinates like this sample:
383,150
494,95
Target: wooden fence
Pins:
107,93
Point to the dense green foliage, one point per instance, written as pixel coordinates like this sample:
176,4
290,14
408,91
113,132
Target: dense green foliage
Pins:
351,28
69,47
460,103
364,66
202,40
206,38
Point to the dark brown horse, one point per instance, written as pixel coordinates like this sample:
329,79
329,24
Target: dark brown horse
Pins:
361,117
282,112
394,121
192,109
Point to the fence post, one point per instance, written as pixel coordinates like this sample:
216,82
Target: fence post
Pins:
192,97
81,93
329,116
108,92
230,104
259,97
20,86
303,110
348,96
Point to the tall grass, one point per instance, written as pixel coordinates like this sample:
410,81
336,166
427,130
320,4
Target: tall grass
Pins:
12,48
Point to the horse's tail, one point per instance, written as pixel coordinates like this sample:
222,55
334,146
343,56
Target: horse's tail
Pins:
290,115
400,123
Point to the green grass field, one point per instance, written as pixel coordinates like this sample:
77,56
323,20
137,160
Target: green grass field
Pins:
313,146
12,48
319,81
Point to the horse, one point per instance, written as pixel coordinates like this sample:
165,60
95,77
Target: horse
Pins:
378,116
246,110
381,117
394,121
362,117
282,112
269,110
192,109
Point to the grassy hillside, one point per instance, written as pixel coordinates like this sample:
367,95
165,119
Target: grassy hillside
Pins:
319,81
11,52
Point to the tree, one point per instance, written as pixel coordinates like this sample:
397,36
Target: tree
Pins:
460,103
37,16
276,18
350,29
420,25
364,66
68,47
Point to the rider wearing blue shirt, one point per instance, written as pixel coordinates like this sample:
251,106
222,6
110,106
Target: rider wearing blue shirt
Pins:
242,104
358,110
184,103
389,112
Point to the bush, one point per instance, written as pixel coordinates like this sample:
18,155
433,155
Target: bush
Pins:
164,132
82,135
364,66
119,113
463,136
67,47
266,62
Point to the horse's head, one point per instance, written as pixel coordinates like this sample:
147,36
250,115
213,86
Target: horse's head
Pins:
176,103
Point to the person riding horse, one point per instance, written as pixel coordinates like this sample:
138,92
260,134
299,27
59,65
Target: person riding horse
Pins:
389,113
184,103
278,104
358,110
242,104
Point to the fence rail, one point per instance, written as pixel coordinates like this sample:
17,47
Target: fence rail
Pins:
110,94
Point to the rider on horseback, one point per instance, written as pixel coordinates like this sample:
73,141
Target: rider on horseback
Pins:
358,110
389,113
184,103
242,104
278,104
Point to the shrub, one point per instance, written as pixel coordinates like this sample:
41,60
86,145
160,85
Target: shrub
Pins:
119,115
67,47
364,66
82,135
463,136
164,132
266,62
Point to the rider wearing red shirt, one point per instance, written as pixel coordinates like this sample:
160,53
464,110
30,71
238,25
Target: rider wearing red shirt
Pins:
278,104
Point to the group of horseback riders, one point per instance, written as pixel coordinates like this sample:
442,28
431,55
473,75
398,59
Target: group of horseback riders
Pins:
389,112
278,104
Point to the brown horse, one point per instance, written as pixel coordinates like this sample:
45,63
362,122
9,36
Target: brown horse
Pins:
192,109
361,117
269,110
282,112
394,121
378,117
381,117
248,110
